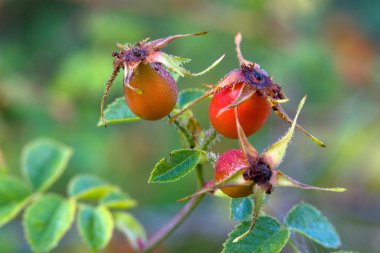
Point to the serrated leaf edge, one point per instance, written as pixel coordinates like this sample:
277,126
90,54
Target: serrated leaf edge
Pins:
59,238
282,228
115,121
21,205
113,188
307,236
108,235
67,154
197,152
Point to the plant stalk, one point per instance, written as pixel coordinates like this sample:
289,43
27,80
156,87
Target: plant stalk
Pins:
293,246
190,139
182,215
170,227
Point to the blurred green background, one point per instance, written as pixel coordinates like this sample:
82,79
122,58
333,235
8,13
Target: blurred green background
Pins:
55,57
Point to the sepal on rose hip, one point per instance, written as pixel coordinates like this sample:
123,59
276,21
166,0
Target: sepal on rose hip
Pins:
173,64
279,179
233,179
249,151
274,155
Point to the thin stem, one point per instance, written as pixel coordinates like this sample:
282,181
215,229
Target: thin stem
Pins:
209,139
170,227
183,130
200,178
182,215
293,246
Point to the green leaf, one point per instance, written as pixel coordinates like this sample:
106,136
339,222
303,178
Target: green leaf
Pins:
118,200
310,222
132,229
267,236
241,209
47,220
188,95
180,163
43,162
95,225
13,197
117,112
89,187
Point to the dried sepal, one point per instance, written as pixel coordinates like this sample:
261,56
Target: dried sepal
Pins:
274,155
235,76
160,43
273,101
226,182
120,45
246,92
242,60
129,69
108,87
279,179
249,151
258,198
173,64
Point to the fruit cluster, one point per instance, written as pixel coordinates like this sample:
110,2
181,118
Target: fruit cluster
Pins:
240,106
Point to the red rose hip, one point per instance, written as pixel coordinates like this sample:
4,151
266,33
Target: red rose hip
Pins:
252,113
227,164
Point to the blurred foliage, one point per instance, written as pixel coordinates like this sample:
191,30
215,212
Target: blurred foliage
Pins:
55,57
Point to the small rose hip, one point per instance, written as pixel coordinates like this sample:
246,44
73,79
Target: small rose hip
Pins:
255,84
228,164
150,90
